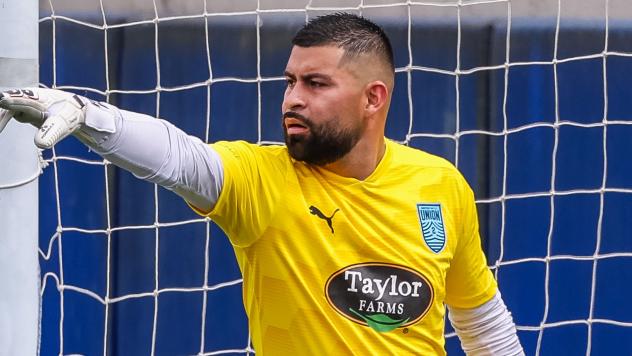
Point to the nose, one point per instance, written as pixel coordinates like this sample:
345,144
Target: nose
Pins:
293,98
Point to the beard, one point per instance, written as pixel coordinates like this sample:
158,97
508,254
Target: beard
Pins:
323,143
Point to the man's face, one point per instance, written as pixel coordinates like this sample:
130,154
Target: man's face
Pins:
322,105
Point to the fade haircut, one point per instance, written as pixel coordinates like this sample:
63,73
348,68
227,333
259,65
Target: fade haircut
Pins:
354,34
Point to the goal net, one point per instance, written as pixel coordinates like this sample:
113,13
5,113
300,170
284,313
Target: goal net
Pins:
530,99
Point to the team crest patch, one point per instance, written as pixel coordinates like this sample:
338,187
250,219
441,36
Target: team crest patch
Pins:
432,228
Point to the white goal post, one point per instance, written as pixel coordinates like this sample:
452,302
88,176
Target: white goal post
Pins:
19,169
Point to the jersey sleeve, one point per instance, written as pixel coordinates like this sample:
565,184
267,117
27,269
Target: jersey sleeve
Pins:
469,282
253,179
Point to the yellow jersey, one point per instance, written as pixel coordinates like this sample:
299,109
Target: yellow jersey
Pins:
337,266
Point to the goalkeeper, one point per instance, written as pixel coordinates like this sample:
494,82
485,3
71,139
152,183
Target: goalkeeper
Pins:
348,242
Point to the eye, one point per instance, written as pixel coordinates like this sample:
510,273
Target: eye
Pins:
316,84
289,82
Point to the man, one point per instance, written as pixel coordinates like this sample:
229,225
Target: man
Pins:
348,242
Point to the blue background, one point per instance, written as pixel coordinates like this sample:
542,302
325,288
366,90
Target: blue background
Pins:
575,155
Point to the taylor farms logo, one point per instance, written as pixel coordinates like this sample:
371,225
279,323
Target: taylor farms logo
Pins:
380,295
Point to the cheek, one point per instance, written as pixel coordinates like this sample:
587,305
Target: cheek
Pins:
351,106
351,101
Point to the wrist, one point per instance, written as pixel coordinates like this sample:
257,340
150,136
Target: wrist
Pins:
102,122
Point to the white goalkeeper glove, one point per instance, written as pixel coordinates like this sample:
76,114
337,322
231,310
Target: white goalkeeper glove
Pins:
56,113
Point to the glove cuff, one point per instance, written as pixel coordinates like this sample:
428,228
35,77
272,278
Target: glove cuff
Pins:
102,122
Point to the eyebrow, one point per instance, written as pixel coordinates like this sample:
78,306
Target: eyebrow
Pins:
309,76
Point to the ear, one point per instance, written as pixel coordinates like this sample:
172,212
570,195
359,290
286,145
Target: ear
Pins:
376,97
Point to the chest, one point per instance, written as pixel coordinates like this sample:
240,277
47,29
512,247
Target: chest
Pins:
333,226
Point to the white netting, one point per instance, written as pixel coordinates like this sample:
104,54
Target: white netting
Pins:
405,15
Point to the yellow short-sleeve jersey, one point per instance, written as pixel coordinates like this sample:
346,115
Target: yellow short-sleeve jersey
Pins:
334,265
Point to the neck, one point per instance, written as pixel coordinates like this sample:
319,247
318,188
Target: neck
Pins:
361,161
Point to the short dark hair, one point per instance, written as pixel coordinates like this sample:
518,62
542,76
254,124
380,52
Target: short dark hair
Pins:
355,34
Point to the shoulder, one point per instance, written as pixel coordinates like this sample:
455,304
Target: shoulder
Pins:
414,156
243,151
411,160
244,148
241,155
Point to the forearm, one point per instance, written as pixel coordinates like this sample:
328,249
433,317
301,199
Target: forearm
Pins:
156,151
487,329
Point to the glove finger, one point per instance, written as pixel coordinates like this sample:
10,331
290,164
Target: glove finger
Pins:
29,115
53,130
26,104
5,117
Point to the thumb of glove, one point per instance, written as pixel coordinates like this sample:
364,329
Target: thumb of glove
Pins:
63,118
53,130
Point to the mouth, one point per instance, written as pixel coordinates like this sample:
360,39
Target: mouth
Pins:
294,126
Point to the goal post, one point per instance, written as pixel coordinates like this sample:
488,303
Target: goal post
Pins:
19,169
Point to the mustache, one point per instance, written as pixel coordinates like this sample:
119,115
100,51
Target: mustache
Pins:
295,115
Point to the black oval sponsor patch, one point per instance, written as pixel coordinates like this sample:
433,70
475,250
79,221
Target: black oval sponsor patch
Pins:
380,295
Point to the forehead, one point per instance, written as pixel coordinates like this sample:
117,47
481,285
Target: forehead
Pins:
322,59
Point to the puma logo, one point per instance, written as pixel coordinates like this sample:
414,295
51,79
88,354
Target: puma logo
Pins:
315,211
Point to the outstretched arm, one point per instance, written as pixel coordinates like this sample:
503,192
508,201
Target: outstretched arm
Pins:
151,149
